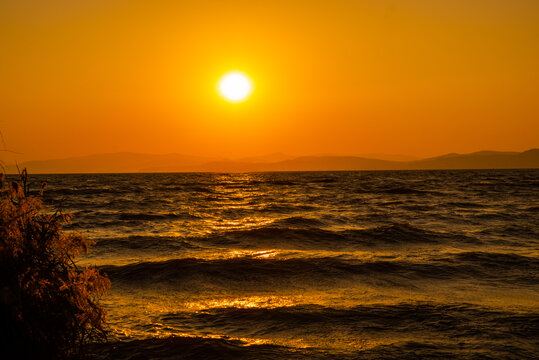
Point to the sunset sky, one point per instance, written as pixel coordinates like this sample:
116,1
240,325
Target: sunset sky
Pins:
416,77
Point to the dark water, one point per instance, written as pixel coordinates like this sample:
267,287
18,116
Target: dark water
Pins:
337,265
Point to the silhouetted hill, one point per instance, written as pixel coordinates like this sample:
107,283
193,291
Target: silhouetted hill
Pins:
133,162
269,158
389,157
109,163
321,163
304,163
481,160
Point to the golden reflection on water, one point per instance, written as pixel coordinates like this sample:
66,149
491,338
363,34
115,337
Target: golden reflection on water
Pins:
267,302
234,199
260,254
148,306
247,222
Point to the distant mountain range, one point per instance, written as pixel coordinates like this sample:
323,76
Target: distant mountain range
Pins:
134,162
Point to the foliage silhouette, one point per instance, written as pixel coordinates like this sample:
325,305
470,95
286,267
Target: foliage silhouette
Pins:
49,307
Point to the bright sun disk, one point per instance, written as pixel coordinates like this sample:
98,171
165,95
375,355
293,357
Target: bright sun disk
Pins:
235,86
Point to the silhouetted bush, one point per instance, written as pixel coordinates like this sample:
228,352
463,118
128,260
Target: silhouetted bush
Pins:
48,306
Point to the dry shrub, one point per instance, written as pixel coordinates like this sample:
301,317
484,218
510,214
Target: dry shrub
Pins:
48,306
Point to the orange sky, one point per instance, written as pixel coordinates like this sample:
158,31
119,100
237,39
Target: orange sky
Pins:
417,77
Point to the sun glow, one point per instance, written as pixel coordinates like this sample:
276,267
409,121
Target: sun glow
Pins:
235,86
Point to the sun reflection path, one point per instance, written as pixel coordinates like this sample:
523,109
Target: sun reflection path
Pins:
244,223
267,302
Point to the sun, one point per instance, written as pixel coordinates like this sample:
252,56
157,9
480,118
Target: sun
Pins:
235,86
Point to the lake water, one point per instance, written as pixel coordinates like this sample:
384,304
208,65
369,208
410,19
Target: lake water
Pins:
313,265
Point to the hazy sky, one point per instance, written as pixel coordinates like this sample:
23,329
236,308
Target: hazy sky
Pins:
418,77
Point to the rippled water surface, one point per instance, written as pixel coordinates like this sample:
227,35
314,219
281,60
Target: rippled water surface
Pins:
314,265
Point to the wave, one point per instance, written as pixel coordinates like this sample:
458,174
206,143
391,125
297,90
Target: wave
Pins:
141,242
327,272
156,217
403,191
199,189
298,221
514,234
166,190
124,219
377,320
498,216
323,181
435,328
280,208
278,182
462,204
501,261
404,233
396,189
76,191
204,348
303,233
